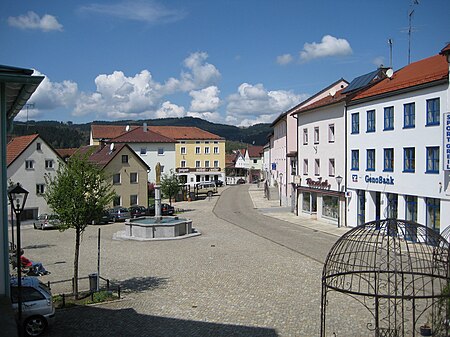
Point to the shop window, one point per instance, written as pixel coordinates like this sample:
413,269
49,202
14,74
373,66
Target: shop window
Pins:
306,204
411,208
330,207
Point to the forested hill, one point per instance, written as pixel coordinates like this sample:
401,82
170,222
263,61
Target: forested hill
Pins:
67,135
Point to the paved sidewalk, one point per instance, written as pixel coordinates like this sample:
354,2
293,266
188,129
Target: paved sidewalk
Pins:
273,209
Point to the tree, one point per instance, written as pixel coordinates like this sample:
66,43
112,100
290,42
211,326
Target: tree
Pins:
170,185
78,193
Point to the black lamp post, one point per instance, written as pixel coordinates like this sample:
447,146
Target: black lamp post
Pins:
339,181
17,197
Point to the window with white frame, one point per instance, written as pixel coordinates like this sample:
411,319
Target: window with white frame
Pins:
207,150
197,150
160,151
331,133
197,163
40,189
133,178
38,146
29,164
316,135
305,166
216,163
331,167
143,151
216,150
183,163
305,136
317,167
48,163
183,150
206,163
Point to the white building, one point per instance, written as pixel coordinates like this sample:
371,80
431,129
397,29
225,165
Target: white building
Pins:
29,160
395,147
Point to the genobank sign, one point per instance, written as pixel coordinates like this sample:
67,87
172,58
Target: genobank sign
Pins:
446,141
379,180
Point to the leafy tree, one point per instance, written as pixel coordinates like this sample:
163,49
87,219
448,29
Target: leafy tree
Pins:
170,185
78,193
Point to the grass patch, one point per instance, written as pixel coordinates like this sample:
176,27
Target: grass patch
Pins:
67,301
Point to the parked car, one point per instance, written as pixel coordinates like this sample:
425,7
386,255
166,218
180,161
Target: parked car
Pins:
218,182
37,306
137,211
240,181
47,221
166,209
119,213
207,187
103,219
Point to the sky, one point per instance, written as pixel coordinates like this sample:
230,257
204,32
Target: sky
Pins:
236,62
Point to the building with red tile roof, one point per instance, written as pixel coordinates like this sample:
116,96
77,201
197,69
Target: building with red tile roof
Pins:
29,160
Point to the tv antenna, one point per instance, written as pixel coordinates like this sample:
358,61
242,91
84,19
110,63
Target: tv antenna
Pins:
410,14
29,106
391,43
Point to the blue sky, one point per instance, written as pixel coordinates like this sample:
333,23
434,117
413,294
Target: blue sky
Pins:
234,62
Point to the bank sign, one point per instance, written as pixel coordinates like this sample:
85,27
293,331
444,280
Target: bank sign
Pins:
446,155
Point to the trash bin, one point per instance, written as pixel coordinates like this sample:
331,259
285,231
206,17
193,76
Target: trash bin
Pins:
93,279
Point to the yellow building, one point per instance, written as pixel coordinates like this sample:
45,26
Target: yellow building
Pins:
200,155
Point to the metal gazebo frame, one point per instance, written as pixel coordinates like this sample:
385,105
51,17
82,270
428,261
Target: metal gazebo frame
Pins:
398,270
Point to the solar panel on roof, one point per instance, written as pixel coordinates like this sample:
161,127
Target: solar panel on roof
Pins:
361,81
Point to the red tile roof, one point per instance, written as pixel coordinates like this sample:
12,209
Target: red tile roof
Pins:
104,155
425,71
328,100
108,131
17,146
255,151
138,135
65,153
184,132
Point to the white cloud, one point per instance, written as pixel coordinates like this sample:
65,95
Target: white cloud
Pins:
144,11
330,46
200,74
170,110
205,99
254,104
284,59
32,21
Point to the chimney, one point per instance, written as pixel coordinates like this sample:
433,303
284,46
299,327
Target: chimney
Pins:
145,127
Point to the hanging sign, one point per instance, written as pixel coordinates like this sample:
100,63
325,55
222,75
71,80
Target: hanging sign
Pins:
446,155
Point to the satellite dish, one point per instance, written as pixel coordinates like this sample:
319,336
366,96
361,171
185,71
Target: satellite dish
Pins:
127,128
111,147
389,73
332,92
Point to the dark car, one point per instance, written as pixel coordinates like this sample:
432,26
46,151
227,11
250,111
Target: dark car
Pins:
119,213
166,209
218,182
103,219
137,211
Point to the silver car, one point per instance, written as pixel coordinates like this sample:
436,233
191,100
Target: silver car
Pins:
119,213
37,305
46,221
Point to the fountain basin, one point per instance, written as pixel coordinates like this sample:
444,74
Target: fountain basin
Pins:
152,228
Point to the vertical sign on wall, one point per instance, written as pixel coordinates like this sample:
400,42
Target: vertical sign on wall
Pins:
446,154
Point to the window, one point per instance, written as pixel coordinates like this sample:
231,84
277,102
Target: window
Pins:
331,168
117,200
305,136
305,166
197,142
216,163
216,150
433,159
433,111
160,151
433,214
48,164
133,178
331,133
409,115
183,150
409,159
355,122
206,163
411,208
316,135
124,159
197,150
389,118
388,160
162,168
197,163
183,163
355,160
317,167
293,167
143,151
38,147
206,150
29,164
133,199
371,121
370,160
116,179
40,189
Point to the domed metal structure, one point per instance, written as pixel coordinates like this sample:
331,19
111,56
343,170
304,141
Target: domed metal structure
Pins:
398,270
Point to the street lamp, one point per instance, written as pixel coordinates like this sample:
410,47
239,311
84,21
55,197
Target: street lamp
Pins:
339,181
281,182
17,197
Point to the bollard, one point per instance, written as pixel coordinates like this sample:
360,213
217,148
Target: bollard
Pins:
48,285
63,300
118,291
107,285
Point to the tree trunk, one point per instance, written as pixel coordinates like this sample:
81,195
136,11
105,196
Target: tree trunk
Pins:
75,262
